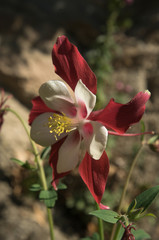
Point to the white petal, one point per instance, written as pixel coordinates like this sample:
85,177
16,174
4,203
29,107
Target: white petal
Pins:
96,143
58,96
83,94
68,157
40,131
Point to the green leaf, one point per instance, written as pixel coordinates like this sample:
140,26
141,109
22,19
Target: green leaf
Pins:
23,164
153,139
120,234
135,214
35,187
61,186
150,215
140,234
45,152
106,215
50,203
94,237
144,199
47,194
49,197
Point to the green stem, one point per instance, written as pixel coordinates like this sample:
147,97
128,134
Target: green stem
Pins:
128,178
39,163
125,189
45,187
118,227
25,128
100,225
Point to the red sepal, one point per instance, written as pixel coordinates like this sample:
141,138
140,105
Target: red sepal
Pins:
38,108
120,117
94,173
54,158
71,66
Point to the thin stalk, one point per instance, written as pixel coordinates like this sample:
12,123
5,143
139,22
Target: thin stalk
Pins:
39,163
45,187
25,128
118,227
128,178
125,189
100,225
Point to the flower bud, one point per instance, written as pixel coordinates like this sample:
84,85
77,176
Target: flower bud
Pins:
154,143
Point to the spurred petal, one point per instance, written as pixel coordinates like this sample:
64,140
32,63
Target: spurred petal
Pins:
104,207
58,96
96,142
83,94
40,131
94,174
68,156
38,108
120,117
71,66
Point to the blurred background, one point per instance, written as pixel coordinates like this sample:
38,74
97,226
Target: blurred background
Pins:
120,41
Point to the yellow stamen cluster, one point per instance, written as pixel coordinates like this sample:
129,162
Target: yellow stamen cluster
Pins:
59,124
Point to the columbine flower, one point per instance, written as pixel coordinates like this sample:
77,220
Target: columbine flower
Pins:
2,106
62,116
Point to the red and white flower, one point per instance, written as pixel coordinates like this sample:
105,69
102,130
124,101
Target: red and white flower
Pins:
63,117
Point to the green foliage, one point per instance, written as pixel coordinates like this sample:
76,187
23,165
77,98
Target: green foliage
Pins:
95,236
62,186
35,187
120,234
154,143
25,165
106,215
140,234
144,199
49,197
153,139
45,153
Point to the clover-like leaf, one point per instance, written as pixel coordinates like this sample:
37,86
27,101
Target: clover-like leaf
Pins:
49,197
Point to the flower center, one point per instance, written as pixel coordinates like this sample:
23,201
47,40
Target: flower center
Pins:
59,124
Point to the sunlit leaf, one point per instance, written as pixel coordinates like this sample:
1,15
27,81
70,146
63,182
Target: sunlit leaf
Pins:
106,215
153,139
